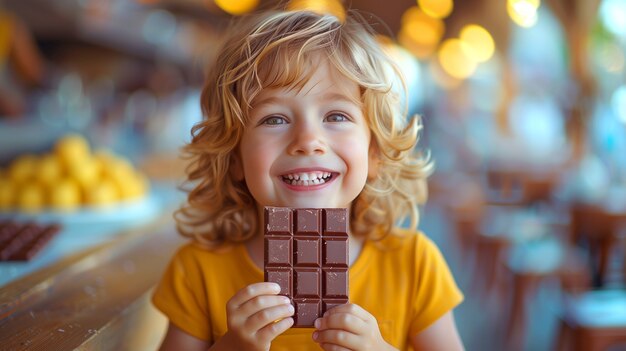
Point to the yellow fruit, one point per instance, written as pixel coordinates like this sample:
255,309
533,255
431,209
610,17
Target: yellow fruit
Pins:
137,186
71,149
87,172
102,194
49,170
131,185
7,194
65,195
23,168
119,168
30,197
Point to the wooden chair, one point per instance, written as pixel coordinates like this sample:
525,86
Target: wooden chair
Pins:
557,260
593,321
518,186
595,228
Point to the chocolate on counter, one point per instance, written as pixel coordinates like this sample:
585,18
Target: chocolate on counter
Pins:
22,241
306,253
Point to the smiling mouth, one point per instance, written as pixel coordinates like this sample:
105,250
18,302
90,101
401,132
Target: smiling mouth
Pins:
307,178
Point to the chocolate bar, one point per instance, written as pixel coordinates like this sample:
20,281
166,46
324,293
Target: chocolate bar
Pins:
306,253
22,241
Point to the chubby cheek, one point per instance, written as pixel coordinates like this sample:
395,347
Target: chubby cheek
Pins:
355,154
256,170
360,171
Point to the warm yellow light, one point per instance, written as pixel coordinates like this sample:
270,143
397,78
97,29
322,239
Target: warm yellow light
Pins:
436,8
523,12
532,3
419,24
420,33
237,7
441,78
479,41
418,50
324,7
455,59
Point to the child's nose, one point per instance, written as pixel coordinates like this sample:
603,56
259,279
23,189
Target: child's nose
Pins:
307,140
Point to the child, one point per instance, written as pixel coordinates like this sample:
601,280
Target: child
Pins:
299,112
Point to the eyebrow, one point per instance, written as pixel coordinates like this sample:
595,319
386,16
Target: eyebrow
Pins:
340,97
267,100
333,96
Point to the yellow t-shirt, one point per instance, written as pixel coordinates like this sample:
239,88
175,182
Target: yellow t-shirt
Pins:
403,281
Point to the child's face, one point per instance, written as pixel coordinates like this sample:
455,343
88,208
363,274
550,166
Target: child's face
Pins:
317,133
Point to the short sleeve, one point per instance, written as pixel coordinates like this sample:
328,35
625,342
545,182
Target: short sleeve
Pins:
183,303
436,292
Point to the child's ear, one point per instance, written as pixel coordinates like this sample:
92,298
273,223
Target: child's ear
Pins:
374,160
236,167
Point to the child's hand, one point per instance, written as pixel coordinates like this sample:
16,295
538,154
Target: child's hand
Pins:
349,327
256,315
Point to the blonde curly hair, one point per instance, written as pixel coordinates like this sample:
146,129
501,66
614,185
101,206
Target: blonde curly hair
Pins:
274,49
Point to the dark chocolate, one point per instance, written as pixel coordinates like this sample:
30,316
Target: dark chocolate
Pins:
22,241
306,253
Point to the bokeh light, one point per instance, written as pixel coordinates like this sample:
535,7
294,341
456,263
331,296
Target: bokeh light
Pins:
442,78
418,50
327,7
237,7
436,8
479,41
611,58
618,103
420,33
523,12
613,15
455,58
538,121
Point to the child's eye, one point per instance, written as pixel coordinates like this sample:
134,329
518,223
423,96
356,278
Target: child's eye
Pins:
274,120
336,117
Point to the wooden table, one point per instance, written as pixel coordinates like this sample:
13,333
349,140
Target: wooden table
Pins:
96,299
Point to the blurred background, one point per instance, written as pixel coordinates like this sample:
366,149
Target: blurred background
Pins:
524,107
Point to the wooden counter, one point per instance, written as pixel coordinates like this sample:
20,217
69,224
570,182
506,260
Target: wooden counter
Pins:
97,299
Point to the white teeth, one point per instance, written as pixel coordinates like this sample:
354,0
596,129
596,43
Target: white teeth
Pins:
306,179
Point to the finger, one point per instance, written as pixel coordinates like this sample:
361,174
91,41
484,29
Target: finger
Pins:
345,321
262,302
333,347
267,316
269,332
251,291
337,337
351,308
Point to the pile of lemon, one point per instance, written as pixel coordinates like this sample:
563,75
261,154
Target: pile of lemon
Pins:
68,178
